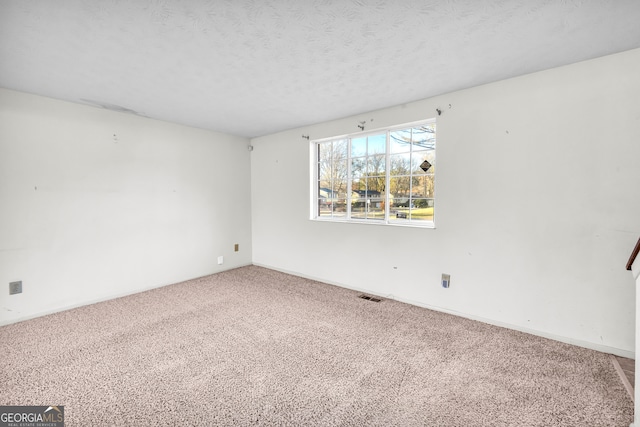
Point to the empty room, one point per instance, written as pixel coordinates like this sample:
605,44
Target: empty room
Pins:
319,213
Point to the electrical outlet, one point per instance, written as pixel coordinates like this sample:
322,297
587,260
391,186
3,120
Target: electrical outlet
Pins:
236,247
446,280
15,287
220,260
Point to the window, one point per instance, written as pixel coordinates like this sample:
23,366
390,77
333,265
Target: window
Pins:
385,176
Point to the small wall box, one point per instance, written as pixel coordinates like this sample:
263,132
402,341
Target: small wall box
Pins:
446,280
15,287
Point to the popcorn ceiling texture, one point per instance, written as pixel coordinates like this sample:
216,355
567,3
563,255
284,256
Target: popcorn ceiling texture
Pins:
252,346
251,68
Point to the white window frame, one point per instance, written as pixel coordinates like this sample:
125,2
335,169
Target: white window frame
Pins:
387,220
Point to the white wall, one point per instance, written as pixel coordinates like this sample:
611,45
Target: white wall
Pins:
95,204
533,216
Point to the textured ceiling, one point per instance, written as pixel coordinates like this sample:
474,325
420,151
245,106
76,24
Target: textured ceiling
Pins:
254,67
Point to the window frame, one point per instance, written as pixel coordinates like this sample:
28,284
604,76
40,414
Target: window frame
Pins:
387,219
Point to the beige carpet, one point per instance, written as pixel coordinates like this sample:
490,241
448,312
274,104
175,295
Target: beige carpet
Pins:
253,346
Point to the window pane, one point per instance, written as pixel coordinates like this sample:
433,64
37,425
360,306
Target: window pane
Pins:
358,210
340,150
376,165
340,208
417,161
399,189
375,187
325,182
357,186
399,214
324,151
358,167
422,210
324,170
428,155
424,136
358,147
339,170
324,207
422,186
400,141
336,208
377,144
367,208
340,188
367,198
375,209
400,164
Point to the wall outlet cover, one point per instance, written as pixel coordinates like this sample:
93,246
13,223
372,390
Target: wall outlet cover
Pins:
446,280
220,260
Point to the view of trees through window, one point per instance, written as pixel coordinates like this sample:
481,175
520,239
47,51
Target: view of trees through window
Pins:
385,176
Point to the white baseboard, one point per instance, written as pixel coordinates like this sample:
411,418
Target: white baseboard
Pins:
59,309
580,343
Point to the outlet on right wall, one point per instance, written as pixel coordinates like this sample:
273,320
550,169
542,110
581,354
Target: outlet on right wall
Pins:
536,206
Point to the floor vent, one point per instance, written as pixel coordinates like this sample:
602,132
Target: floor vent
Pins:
368,298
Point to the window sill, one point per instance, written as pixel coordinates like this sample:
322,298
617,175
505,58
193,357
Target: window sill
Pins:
425,224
